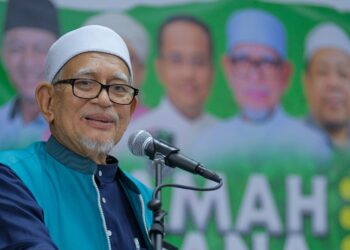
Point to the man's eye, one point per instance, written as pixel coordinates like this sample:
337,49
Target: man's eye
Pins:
239,59
84,84
270,61
119,88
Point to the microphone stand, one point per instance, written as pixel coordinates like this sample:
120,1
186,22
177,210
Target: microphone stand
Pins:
157,229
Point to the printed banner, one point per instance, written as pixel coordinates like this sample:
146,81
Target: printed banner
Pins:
257,92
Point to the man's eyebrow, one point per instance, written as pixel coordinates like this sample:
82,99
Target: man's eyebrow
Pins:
84,71
122,76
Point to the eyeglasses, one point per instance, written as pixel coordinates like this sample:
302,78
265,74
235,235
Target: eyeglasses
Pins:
89,89
266,63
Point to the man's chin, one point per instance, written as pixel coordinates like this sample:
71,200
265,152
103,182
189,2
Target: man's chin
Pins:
334,125
103,147
254,114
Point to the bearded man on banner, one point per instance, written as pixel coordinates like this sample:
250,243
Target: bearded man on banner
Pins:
258,72
327,83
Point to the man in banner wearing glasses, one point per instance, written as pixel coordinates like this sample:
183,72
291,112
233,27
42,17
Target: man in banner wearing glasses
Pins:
258,73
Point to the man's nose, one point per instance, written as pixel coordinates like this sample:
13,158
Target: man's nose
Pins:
255,72
334,79
28,57
103,99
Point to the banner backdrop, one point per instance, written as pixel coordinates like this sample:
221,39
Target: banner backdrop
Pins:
281,202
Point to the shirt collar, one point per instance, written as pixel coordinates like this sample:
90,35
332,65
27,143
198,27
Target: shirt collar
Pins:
107,173
69,158
82,164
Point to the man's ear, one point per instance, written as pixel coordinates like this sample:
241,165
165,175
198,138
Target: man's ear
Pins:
44,96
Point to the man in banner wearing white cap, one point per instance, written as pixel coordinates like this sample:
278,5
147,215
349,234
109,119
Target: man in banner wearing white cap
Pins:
258,72
68,193
137,40
30,28
327,83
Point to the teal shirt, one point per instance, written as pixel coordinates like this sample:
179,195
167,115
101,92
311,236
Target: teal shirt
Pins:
63,184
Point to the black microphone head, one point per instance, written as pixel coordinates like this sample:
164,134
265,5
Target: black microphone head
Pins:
138,142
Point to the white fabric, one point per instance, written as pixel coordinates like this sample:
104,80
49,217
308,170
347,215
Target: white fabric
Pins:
280,137
92,38
256,26
326,35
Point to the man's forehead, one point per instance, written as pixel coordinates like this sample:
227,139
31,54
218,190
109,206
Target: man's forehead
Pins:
91,71
254,50
331,54
29,34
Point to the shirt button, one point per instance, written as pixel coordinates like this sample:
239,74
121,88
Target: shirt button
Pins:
99,173
109,233
104,200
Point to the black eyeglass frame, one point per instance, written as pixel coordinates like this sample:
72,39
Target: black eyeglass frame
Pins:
102,87
276,62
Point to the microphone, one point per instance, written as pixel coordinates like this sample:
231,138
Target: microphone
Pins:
142,143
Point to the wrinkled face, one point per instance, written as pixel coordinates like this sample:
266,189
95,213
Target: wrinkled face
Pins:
24,53
76,120
257,76
327,85
184,65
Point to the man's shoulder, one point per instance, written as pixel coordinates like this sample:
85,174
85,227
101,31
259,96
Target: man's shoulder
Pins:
13,157
301,126
25,163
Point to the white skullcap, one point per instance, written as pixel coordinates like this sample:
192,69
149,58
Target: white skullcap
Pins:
93,38
326,35
253,26
129,29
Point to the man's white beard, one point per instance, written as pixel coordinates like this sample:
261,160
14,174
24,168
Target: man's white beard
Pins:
93,145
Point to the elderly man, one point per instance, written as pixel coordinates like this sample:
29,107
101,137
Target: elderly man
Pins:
30,28
137,40
68,193
327,83
258,72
